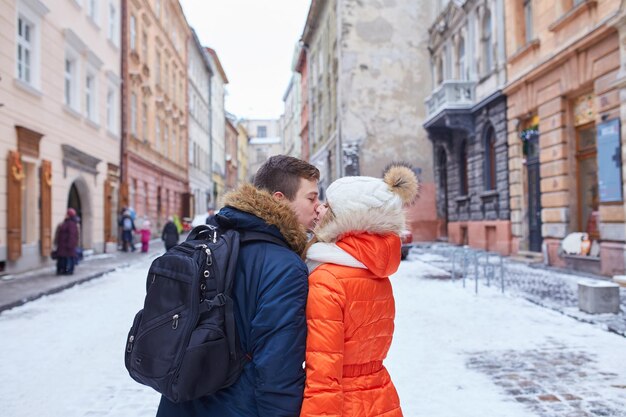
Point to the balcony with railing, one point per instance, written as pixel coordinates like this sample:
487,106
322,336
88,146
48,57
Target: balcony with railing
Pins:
450,95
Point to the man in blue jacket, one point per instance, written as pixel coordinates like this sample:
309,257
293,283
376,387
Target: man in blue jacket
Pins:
269,292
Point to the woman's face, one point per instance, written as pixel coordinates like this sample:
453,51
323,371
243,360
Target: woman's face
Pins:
322,210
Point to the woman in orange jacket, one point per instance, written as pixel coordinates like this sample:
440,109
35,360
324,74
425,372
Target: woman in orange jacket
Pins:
350,308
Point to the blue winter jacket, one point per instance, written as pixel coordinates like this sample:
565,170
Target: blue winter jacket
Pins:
269,292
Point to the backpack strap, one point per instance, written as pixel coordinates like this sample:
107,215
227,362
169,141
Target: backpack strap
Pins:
248,236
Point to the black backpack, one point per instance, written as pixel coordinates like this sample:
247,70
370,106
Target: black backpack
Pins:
184,343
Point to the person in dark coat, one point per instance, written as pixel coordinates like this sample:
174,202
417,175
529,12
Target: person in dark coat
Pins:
128,228
269,293
170,234
66,243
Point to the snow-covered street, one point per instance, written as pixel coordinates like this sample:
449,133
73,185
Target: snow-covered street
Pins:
454,353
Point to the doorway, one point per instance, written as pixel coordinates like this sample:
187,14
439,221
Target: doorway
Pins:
535,238
443,187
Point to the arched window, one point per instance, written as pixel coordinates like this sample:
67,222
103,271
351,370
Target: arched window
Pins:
490,159
463,179
462,70
487,40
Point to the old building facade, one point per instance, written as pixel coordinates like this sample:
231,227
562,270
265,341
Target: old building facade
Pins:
365,91
59,125
232,154
467,123
199,79
563,111
154,110
218,128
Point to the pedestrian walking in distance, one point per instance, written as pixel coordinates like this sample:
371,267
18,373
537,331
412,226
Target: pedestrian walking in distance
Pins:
128,228
66,242
145,233
350,307
170,234
269,293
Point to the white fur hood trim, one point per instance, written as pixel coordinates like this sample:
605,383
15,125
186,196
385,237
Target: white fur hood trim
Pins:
320,253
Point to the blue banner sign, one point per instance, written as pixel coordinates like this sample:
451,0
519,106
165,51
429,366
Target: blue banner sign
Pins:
609,161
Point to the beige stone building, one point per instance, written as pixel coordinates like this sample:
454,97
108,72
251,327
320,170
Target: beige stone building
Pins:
366,86
59,125
564,114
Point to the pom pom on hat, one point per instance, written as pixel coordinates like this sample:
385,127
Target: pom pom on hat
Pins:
402,181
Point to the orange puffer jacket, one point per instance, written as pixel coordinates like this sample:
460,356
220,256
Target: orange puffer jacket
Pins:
350,313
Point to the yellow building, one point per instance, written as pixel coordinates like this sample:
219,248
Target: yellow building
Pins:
242,152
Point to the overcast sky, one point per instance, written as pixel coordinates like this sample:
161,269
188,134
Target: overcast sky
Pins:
254,40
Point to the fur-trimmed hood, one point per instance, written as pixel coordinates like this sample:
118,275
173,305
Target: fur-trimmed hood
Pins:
273,212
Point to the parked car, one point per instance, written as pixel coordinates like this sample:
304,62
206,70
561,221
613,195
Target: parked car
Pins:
406,237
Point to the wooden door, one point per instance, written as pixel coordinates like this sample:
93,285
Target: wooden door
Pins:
45,185
108,206
15,181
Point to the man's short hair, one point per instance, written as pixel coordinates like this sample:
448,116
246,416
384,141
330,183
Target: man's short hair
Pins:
282,173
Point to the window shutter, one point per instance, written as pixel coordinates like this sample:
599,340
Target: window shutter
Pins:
15,182
45,179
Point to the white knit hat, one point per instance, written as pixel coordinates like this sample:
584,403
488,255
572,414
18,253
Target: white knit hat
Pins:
367,204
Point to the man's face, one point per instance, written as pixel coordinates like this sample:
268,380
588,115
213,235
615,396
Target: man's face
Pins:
305,203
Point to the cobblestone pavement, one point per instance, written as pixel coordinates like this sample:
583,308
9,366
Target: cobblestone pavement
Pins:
539,284
552,381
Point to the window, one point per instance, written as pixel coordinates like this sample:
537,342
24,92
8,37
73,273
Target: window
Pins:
133,33
158,134
462,70
144,120
166,81
528,19
92,10
70,71
111,110
490,159
439,71
133,114
487,43
261,131
463,179
166,141
112,35
24,50
157,65
90,97
144,46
